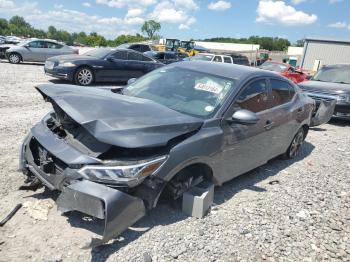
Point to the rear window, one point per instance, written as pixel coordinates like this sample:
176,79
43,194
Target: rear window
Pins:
227,60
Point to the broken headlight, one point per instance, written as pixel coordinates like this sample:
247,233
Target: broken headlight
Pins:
130,175
343,98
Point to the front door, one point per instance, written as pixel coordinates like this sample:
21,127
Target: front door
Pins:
246,146
35,51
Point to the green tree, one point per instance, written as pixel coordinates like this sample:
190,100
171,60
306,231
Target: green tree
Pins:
300,43
3,24
150,27
19,21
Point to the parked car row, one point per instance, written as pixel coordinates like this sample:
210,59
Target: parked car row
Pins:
121,64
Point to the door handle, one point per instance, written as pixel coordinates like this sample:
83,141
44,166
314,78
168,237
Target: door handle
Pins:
269,125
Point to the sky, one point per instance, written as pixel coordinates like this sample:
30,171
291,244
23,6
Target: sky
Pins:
186,19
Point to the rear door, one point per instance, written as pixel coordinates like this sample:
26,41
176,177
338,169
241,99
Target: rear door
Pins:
115,67
247,146
136,66
54,49
285,110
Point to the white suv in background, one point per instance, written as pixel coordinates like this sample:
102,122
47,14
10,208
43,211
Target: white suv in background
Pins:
213,58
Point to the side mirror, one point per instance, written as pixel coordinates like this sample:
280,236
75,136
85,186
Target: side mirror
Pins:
110,59
131,80
244,117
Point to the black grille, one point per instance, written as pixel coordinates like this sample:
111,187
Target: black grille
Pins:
44,160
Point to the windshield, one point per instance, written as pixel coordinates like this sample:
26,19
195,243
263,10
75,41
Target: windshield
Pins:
202,57
98,52
273,67
333,74
186,91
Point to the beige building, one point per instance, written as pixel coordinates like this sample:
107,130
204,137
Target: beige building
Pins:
322,51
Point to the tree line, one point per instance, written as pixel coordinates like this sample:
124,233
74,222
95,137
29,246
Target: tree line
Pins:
19,27
268,43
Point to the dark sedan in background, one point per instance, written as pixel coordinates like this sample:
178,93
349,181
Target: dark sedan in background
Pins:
101,65
167,57
332,82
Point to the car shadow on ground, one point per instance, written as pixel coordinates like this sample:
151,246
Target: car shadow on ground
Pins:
167,213
339,122
23,63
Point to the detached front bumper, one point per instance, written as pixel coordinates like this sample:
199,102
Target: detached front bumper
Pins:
119,210
323,112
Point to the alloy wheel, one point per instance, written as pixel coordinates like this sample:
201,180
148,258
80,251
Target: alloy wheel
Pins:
85,77
14,58
296,144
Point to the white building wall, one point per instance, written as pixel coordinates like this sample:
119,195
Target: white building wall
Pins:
228,46
326,52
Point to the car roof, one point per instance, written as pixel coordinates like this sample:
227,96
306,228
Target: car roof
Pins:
338,65
232,71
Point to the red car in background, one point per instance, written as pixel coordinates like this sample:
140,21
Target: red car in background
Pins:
285,70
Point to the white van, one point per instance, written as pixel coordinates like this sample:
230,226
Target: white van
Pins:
212,58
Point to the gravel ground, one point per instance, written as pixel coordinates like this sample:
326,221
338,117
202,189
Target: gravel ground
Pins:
283,211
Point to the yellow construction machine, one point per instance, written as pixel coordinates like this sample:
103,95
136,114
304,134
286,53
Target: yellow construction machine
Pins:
188,48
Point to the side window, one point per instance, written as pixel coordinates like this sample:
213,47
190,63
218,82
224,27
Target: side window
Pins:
282,92
227,59
42,44
145,58
254,97
145,48
217,59
135,47
121,55
34,44
170,56
54,45
135,56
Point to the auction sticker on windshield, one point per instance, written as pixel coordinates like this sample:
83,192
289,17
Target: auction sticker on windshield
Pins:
209,87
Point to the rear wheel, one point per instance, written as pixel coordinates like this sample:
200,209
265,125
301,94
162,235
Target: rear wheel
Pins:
14,58
84,76
294,147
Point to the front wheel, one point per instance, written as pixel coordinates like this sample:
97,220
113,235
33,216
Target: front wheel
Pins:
294,147
84,76
14,58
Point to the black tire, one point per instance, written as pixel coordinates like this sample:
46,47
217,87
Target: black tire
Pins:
295,145
84,76
14,58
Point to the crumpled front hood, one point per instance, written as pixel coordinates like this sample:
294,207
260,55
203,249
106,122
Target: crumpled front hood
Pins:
328,87
120,120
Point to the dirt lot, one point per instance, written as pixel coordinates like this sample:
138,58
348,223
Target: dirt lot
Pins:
283,211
